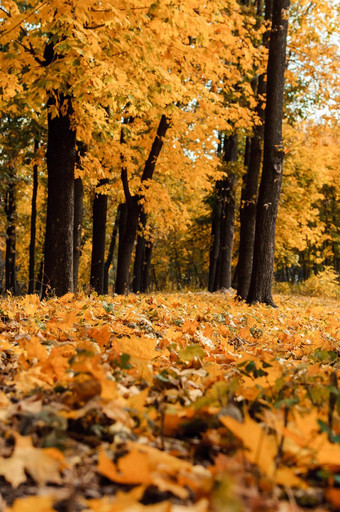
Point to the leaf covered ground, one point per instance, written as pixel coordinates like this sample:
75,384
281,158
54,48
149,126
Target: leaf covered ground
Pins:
169,403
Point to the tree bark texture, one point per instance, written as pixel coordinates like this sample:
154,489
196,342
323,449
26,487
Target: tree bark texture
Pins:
98,240
61,152
223,223
127,234
142,260
262,273
10,210
132,209
111,250
250,182
77,227
31,269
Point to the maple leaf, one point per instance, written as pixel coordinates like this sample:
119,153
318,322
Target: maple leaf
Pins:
43,464
147,465
29,503
261,447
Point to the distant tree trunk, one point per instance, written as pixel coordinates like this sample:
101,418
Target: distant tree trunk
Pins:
111,250
262,274
132,209
31,269
215,246
10,210
77,228
127,235
250,183
39,281
223,223
61,151
142,260
147,266
98,240
139,258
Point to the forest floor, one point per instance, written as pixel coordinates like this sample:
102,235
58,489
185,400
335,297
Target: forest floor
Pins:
169,403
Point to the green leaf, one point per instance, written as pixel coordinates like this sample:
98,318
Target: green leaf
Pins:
108,306
188,353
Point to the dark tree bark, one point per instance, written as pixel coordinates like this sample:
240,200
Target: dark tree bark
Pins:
215,245
61,151
31,270
127,234
142,263
223,223
10,210
39,281
98,240
132,208
77,228
111,250
250,182
262,274
61,155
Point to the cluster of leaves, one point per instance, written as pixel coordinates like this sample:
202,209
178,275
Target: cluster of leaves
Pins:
325,284
168,403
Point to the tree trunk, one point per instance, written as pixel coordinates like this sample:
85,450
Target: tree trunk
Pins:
132,210
139,258
223,223
77,228
31,270
142,261
147,266
215,246
10,210
111,251
98,240
39,281
250,182
228,213
127,235
61,152
262,274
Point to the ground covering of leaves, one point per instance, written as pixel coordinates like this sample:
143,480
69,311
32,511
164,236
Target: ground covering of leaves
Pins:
169,403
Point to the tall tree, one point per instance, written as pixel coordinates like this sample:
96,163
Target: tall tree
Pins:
10,210
223,218
31,270
99,209
77,227
61,150
251,178
132,208
262,273
111,250
142,262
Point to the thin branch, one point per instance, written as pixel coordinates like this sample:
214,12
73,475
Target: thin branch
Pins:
4,10
34,10
94,27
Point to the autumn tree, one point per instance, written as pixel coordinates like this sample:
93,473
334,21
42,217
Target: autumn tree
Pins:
132,208
260,289
253,160
223,218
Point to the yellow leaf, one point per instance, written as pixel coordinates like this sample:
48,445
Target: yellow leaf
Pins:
262,448
133,468
42,465
30,503
286,476
100,334
140,348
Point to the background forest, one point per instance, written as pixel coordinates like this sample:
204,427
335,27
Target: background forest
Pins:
169,146
159,106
